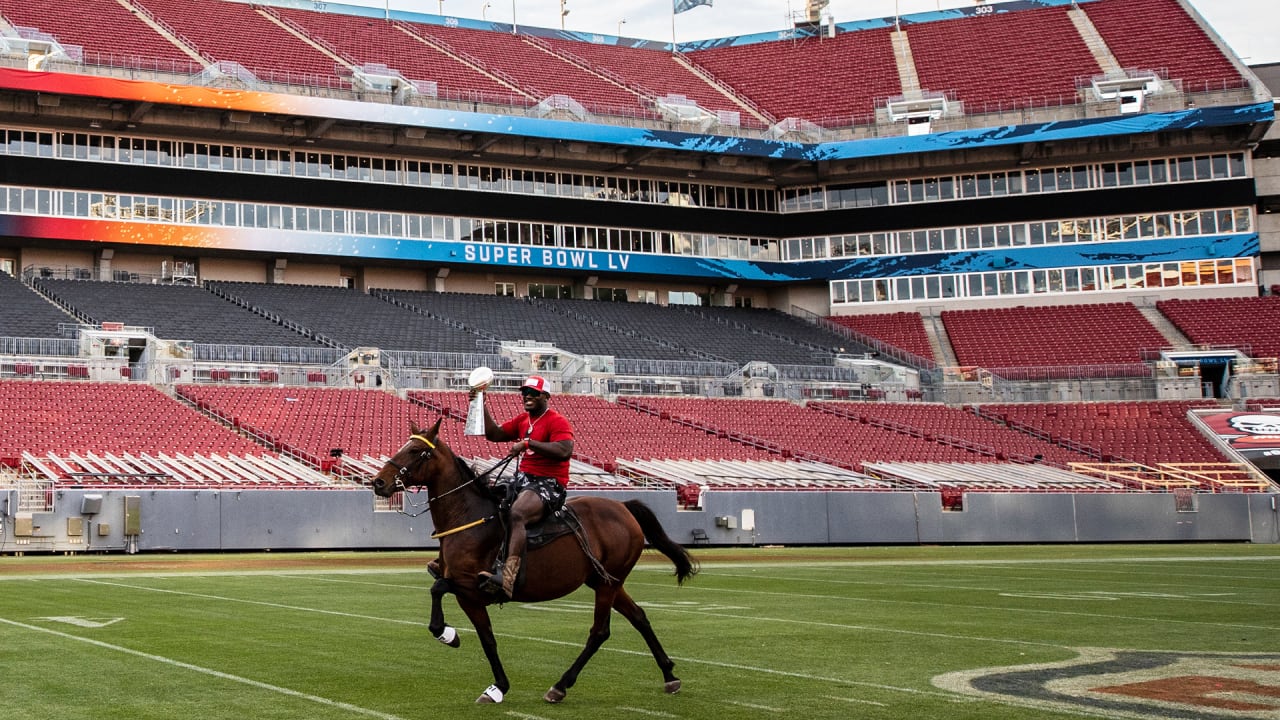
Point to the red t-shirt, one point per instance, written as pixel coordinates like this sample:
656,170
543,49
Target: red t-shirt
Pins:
551,426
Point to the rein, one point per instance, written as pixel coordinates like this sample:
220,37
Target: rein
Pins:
403,471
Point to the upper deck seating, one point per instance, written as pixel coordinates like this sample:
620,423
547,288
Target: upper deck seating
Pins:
822,80
535,71
904,330
107,31
23,313
658,73
174,312
353,318
694,333
368,40
506,318
1145,432
1003,60
1157,35
1252,324
1009,339
241,33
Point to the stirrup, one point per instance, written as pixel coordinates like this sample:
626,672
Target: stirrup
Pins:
491,582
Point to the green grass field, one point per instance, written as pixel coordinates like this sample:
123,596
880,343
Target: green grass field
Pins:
786,632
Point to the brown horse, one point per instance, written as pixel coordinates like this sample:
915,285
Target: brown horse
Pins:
466,519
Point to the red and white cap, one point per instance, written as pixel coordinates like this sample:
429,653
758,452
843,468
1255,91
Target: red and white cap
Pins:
535,383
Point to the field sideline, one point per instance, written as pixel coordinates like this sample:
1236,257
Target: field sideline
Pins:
1113,631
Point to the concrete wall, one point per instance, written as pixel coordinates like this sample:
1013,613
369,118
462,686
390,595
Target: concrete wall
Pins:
190,520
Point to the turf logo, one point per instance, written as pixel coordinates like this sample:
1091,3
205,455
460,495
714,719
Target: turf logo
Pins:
1136,684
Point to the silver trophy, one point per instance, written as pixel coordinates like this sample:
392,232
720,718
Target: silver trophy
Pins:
478,381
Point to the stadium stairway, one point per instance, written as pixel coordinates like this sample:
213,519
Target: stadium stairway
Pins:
1164,325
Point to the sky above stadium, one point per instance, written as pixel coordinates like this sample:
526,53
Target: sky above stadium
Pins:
1249,26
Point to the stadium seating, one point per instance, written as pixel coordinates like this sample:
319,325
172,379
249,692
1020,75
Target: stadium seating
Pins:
1251,324
1114,335
1002,61
239,32
1141,32
310,422
175,312
352,318
91,433
534,70
942,423
903,330
371,41
1144,432
23,313
106,30
824,80
657,73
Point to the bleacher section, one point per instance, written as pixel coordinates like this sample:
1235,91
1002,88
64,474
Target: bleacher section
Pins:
655,74
990,476
107,31
1003,61
534,70
511,319
175,312
352,318
904,330
310,422
1250,324
239,32
686,333
372,41
23,313
1140,33
797,432
945,424
1144,432
1011,341
91,433
841,79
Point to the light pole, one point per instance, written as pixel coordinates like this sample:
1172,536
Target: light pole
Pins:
564,11
440,5
621,22
484,10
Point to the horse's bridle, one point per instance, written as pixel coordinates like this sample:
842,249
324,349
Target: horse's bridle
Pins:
404,471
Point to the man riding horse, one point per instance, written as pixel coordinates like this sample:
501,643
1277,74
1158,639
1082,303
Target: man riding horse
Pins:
543,438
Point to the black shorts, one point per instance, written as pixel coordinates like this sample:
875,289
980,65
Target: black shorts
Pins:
547,488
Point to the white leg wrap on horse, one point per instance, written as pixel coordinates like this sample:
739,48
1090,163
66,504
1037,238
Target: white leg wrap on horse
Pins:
448,636
494,693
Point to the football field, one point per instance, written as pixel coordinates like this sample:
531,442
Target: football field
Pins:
1115,631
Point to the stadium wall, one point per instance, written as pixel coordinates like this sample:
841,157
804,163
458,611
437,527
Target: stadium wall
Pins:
242,520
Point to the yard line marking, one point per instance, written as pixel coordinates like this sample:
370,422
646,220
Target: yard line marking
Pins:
565,643
642,711
208,671
1204,597
855,700
754,706
524,716
1001,609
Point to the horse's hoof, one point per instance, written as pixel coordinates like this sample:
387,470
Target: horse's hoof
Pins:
491,695
450,637
672,687
554,695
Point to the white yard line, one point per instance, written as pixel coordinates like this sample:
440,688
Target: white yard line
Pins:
207,671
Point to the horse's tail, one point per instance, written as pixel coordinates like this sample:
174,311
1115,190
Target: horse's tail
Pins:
686,566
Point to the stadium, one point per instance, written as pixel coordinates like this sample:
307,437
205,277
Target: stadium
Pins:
945,290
